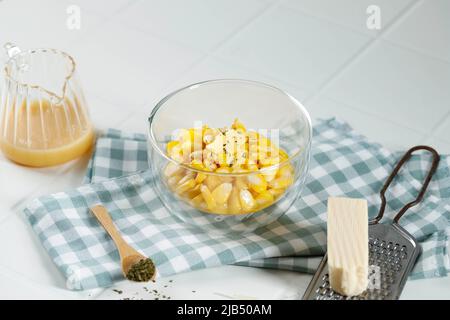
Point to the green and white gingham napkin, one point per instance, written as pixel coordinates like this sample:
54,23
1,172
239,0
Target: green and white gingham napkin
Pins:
343,163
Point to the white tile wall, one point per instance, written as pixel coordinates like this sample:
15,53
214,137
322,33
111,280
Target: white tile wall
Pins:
377,129
391,85
17,182
105,8
216,68
439,144
46,21
425,29
128,67
294,47
98,107
396,84
196,23
443,130
350,13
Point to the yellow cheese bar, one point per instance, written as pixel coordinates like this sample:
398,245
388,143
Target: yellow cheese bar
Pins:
347,242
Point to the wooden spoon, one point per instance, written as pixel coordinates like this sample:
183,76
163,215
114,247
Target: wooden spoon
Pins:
128,255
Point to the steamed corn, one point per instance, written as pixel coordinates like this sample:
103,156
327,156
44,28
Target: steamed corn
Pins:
235,170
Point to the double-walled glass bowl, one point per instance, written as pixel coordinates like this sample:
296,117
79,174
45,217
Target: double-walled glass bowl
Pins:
262,108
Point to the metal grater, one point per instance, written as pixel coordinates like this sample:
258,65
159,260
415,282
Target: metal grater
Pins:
392,250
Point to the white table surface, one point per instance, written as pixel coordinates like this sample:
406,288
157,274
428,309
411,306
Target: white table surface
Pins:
391,85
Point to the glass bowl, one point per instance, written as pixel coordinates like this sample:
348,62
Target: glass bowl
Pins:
263,108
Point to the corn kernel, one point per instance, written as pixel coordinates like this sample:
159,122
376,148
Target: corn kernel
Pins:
269,161
196,138
246,199
222,193
177,153
234,204
209,135
197,164
209,164
200,177
170,146
207,196
194,192
264,144
172,169
286,171
257,183
269,174
237,124
252,167
238,169
224,170
173,181
281,183
189,184
197,201
185,135
186,147
196,158
263,199
283,155
221,208
190,175
241,183
212,182
275,192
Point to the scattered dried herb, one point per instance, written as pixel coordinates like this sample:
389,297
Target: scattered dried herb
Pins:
141,271
118,291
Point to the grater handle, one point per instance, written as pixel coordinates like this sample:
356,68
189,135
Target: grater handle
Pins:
394,173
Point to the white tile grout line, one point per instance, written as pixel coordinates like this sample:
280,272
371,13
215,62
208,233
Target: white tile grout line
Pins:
209,53
439,125
374,38
415,50
360,53
328,20
373,115
124,6
267,9
375,35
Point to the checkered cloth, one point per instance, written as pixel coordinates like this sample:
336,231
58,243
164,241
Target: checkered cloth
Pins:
343,163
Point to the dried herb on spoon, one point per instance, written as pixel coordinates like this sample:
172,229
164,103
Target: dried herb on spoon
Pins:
141,271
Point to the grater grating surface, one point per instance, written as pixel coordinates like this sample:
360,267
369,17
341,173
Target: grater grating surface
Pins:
392,250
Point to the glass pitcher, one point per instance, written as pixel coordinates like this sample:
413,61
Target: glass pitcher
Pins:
43,114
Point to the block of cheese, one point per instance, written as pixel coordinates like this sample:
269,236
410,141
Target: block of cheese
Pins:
347,245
